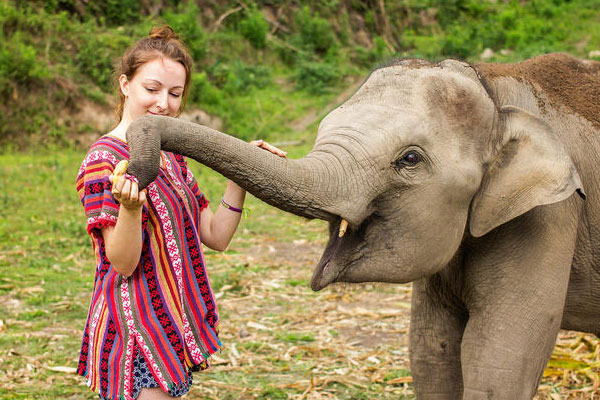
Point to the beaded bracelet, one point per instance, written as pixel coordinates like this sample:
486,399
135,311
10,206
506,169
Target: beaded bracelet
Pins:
230,207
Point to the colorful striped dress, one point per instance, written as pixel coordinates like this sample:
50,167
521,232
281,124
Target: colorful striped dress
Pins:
165,310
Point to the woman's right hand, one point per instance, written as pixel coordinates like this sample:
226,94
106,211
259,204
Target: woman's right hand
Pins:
127,193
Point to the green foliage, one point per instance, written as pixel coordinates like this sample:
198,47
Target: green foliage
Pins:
452,10
236,77
68,48
108,12
529,28
370,57
317,77
115,12
99,65
314,32
23,18
297,337
185,23
233,279
396,373
254,28
242,95
270,392
296,282
203,92
19,64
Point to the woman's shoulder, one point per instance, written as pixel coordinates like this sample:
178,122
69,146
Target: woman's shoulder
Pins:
107,150
109,146
109,141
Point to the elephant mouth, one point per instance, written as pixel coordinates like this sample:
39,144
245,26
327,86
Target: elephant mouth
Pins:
326,273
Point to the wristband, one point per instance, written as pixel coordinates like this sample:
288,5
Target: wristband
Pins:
230,207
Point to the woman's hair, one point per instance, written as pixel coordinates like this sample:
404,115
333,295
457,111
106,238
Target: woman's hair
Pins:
161,42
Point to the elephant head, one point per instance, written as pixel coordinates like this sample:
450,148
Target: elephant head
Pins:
418,158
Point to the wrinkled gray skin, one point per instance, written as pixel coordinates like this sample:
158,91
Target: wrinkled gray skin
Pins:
487,222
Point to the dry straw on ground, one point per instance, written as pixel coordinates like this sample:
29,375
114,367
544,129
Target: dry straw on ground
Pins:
358,336
283,341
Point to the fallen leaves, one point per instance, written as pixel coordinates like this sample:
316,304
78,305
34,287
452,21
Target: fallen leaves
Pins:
573,369
256,325
280,339
63,369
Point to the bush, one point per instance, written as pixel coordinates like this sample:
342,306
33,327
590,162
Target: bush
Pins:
203,92
461,43
371,57
315,32
22,18
254,28
529,29
115,12
110,12
449,11
236,76
186,25
97,56
19,64
316,77
96,65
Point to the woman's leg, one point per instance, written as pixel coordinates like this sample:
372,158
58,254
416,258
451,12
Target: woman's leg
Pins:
155,394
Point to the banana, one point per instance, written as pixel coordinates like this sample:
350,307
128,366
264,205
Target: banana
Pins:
119,171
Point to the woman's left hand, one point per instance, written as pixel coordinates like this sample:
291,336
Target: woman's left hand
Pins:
264,145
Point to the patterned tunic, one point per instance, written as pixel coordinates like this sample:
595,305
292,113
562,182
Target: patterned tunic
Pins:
165,309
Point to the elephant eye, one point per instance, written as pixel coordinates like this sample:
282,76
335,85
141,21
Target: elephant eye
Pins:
409,159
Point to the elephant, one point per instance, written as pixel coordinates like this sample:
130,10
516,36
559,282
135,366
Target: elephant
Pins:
476,182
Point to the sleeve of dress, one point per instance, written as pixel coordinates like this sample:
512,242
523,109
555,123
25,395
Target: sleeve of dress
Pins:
94,189
190,180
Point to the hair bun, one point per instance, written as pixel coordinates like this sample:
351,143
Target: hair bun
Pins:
164,32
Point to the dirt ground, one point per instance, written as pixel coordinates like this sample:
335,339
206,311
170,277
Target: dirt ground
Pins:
358,333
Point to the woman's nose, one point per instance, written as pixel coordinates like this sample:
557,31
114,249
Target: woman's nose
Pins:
163,100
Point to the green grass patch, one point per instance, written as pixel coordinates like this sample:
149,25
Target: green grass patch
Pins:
297,337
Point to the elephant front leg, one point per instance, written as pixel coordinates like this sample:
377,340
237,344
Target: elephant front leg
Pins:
515,283
436,329
503,357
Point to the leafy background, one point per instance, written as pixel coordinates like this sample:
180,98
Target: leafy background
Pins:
56,57
266,69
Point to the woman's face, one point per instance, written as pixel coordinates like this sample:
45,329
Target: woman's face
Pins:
156,88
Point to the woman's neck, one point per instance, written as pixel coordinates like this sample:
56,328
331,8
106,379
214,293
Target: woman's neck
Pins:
120,130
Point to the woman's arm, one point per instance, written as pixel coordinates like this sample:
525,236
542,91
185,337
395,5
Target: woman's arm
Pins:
123,242
217,229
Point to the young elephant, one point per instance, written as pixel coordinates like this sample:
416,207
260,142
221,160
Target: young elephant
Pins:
460,178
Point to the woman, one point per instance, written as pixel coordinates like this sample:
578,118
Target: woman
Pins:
153,317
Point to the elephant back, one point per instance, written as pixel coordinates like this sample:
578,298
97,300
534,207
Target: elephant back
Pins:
565,80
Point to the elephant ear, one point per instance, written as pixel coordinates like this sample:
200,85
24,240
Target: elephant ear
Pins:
531,168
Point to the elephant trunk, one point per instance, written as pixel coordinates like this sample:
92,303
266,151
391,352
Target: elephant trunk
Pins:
302,187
